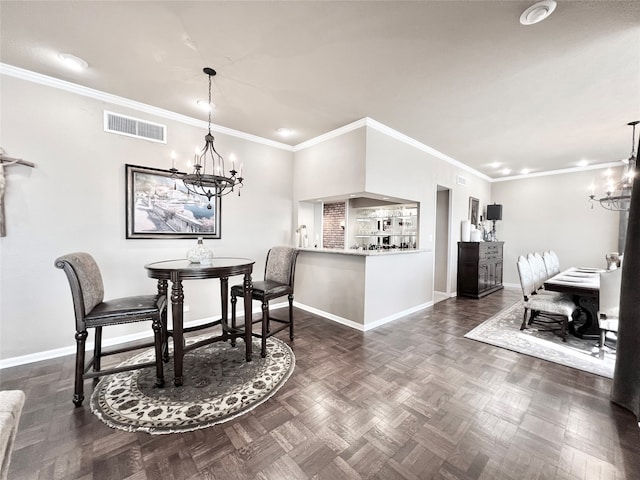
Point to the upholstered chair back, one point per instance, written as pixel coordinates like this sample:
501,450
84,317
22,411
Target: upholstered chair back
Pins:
526,277
556,261
542,268
85,281
548,264
538,269
280,266
610,286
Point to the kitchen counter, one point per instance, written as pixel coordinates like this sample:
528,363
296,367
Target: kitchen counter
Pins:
363,288
364,253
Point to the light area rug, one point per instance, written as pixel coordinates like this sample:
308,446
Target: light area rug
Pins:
503,330
219,385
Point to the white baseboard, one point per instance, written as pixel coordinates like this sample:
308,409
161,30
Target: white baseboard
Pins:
359,326
71,350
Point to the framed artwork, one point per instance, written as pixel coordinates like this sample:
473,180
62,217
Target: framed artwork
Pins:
474,207
159,206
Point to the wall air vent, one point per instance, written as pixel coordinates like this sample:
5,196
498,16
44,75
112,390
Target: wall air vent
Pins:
134,127
460,180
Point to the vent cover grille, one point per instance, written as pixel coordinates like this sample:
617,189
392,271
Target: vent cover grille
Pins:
134,127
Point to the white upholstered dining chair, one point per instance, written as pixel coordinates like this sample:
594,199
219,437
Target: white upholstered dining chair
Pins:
551,262
608,311
548,310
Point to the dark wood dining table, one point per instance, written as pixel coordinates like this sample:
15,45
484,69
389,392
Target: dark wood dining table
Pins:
583,284
220,267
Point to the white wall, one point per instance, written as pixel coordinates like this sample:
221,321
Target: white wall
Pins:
333,167
396,168
74,200
553,212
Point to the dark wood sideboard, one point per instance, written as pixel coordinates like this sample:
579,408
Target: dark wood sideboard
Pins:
479,268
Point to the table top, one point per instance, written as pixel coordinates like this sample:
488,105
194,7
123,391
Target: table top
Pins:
218,267
576,280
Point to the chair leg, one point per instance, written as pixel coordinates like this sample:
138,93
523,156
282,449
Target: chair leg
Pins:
97,350
158,342
291,317
265,327
234,301
524,319
78,394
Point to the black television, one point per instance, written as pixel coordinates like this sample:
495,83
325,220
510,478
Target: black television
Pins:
494,212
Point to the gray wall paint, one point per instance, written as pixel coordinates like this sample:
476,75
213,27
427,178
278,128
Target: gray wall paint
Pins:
553,213
74,200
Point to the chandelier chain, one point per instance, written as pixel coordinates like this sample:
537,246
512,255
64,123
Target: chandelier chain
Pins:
212,108
213,182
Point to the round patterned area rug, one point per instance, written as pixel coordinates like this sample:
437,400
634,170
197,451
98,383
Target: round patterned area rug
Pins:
219,385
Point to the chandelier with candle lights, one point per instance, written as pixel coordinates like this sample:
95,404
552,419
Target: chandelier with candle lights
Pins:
618,193
208,177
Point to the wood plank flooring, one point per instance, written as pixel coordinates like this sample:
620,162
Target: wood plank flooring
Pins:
410,400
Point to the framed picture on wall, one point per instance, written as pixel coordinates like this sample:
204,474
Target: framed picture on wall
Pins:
159,206
474,207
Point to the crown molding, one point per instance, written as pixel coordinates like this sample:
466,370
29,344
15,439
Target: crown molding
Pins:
423,147
41,79
369,122
598,166
34,77
332,134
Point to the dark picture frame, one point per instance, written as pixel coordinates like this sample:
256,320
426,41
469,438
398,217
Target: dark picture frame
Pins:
158,205
474,207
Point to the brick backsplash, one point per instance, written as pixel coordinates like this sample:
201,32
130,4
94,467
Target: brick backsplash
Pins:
332,232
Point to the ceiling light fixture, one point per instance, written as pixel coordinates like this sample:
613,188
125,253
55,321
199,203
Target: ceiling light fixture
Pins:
537,12
618,194
208,178
285,132
73,62
205,106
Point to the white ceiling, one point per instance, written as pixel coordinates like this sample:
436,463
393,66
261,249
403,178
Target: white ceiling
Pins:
463,77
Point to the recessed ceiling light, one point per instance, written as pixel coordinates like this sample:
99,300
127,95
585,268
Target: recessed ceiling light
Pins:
495,164
285,132
205,106
73,62
537,12
506,171
583,163
524,171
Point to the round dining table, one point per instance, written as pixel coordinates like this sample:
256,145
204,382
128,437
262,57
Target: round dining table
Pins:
219,267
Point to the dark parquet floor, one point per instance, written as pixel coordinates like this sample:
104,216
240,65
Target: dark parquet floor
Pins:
410,400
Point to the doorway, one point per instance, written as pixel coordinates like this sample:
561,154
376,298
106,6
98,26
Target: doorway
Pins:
441,280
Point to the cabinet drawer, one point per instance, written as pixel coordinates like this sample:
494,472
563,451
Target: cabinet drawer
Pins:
490,251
